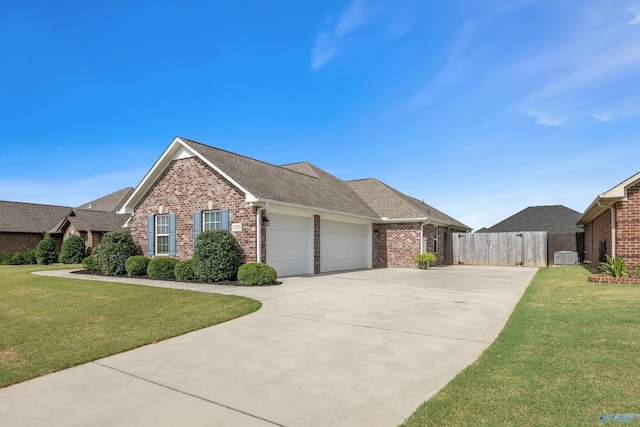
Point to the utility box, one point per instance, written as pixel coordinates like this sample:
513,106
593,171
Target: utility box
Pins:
565,258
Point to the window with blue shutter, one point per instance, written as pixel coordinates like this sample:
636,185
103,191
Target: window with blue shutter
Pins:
172,234
151,242
214,220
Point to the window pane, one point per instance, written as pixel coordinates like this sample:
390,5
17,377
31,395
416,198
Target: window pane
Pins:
211,220
163,245
162,234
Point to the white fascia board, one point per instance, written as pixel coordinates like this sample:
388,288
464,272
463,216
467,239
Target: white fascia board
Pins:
312,209
178,149
620,190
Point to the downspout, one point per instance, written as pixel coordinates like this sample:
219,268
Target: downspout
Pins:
259,232
613,227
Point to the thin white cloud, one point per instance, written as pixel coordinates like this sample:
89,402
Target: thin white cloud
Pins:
546,119
578,71
635,10
328,42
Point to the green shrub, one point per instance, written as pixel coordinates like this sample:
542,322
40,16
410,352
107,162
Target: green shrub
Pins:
90,263
255,273
616,267
216,256
5,258
16,259
29,257
115,248
162,268
72,251
136,265
184,270
46,251
425,260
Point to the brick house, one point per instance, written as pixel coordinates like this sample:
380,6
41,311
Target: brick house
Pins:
22,225
308,221
612,223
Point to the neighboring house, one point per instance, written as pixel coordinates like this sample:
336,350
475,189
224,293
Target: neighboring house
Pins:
307,220
22,225
556,219
612,223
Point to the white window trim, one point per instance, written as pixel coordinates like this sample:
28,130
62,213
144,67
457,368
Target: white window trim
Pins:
218,222
157,235
435,239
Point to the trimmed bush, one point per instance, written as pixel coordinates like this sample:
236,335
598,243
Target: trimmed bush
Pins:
115,248
184,270
46,251
72,251
162,268
29,257
5,257
90,263
136,265
255,273
216,256
16,259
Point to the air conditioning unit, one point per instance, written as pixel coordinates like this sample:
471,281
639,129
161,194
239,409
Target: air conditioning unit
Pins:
565,258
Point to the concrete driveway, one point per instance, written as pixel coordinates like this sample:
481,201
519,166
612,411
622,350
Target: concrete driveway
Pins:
361,348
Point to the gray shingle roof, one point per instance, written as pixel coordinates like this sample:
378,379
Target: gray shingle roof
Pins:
91,220
390,203
18,217
552,219
111,202
313,187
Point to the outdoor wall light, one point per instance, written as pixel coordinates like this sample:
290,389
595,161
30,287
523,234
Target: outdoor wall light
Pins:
265,221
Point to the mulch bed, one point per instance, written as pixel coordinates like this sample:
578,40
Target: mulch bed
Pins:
220,283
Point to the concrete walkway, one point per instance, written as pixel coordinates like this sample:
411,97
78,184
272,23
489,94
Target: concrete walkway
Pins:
361,348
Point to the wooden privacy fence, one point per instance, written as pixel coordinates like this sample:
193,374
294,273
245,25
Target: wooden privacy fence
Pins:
525,248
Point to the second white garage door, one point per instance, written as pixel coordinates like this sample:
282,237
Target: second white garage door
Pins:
343,246
288,244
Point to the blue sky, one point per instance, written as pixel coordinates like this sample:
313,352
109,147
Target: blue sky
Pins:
481,108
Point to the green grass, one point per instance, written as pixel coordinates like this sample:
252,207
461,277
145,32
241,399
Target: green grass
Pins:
570,351
48,324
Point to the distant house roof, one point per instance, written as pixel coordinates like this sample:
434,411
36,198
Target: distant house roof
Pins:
298,184
387,202
90,220
608,198
18,217
111,202
553,219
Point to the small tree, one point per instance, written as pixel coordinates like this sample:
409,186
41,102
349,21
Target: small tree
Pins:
425,260
72,251
46,250
216,256
115,248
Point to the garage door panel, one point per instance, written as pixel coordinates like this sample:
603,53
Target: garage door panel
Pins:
288,244
343,246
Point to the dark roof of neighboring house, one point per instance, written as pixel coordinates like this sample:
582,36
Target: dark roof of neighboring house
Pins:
18,217
111,202
91,220
387,202
482,230
552,219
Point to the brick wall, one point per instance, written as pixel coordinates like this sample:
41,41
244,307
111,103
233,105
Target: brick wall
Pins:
395,245
18,242
628,226
187,186
316,244
596,230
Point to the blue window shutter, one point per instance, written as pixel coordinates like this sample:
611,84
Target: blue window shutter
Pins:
224,219
150,237
197,227
172,234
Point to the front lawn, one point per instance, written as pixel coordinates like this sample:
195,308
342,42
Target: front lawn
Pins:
48,324
569,352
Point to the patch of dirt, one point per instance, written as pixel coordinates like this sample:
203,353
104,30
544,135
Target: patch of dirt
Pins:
9,356
221,283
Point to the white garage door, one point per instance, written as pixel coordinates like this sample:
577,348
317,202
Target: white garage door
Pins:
288,244
343,246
